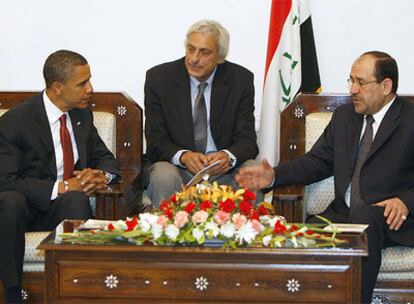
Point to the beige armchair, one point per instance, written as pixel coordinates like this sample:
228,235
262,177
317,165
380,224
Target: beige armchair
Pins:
118,120
301,125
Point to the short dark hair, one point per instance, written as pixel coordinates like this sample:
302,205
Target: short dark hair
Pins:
385,67
59,66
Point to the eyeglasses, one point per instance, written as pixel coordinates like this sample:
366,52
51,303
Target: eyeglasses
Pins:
359,83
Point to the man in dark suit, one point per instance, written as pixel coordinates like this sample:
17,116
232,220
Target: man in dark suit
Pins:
52,159
374,180
180,140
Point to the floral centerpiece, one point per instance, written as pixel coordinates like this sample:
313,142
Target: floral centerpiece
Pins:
209,212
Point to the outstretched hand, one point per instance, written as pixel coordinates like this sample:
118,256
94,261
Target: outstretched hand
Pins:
256,177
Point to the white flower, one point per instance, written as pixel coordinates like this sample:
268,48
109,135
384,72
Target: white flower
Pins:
156,231
197,233
172,232
246,233
147,220
266,240
228,230
213,228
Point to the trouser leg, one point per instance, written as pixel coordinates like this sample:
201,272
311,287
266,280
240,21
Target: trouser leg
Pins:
14,220
164,180
376,233
70,205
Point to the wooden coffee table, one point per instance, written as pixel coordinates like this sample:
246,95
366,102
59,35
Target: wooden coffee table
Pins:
160,274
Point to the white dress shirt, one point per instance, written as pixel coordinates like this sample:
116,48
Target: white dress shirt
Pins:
53,114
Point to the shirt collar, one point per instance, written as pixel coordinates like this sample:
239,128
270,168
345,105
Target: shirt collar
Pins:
52,111
379,116
209,80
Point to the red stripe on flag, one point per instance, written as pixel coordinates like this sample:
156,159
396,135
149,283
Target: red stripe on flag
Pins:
279,12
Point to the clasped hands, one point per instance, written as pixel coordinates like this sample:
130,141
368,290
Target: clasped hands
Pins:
87,180
196,161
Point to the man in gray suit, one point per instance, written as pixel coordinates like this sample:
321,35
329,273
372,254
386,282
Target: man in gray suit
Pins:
176,145
374,179
52,159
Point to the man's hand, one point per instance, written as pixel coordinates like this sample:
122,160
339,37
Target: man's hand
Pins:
91,180
256,177
193,161
395,211
224,164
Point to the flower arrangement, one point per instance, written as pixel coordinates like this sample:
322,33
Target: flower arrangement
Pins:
207,212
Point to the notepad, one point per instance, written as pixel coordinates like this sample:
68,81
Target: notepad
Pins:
348,228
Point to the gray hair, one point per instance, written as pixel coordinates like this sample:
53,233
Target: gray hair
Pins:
211,27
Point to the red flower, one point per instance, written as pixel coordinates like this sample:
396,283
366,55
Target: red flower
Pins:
262,210
168,212
190,207
206,205
131,224
173,198
309,232
249,196
255,216
279,228
111,227
294,227
164,204
245,207
227,205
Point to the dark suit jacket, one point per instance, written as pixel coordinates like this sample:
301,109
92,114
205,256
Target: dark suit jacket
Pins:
27,154
388,171
169,124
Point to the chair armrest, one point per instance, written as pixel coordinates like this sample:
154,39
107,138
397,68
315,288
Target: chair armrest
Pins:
119,200
288,202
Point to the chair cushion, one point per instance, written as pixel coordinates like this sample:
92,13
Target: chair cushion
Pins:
105,123
34,258
318,195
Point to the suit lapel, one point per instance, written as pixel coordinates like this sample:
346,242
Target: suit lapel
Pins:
80,132
389,123
219,93
354,132
45,135
181,97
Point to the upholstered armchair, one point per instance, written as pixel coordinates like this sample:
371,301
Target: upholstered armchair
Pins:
118,120
301,125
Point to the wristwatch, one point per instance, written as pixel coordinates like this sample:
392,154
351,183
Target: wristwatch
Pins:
109,177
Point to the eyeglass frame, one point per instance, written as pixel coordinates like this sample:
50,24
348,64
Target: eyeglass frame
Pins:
359,83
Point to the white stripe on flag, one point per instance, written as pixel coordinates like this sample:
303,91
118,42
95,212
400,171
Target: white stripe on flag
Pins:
282,81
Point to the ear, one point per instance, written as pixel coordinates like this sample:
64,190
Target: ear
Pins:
387,86
57,87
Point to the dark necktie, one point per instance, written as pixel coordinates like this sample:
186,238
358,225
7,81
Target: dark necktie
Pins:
68,163
364,147
200,120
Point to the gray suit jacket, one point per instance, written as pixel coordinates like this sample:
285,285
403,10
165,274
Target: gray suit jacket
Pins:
169,124
27,154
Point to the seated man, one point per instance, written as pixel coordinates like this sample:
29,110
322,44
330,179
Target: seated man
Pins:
199,110
368,147
52,159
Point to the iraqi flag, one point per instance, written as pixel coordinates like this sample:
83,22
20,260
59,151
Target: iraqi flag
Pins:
291,67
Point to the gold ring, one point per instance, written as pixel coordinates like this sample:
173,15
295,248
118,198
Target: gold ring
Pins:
403,217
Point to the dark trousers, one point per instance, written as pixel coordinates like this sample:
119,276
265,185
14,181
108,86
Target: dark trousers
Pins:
18,217
378,239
